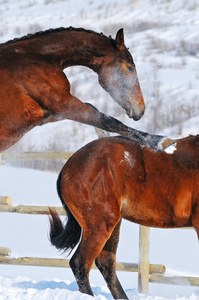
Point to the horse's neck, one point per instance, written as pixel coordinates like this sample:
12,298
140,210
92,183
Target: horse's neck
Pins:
82,48
72,47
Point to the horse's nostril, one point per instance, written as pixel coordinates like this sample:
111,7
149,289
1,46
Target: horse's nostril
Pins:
142,113
136,116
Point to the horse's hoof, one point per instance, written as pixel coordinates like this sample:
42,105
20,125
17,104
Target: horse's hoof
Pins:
166,144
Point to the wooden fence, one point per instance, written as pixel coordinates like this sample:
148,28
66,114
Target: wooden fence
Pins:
6,206
146,272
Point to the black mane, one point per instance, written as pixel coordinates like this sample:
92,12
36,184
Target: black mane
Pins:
39,33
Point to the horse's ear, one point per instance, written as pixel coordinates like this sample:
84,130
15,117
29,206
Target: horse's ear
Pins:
119,40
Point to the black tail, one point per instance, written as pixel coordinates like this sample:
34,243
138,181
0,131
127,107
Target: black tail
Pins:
63,237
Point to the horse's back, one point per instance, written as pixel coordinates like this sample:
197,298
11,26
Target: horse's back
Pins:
98,152
102,167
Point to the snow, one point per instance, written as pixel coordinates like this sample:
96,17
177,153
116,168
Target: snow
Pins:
163,38
130,160
171,149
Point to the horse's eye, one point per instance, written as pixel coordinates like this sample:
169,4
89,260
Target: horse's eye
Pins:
131,69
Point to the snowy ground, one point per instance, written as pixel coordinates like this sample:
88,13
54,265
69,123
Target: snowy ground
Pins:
27,235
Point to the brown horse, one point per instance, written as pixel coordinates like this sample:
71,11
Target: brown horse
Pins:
114,178
34,89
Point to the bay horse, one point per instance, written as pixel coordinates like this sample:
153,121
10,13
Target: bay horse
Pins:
34,89
114,178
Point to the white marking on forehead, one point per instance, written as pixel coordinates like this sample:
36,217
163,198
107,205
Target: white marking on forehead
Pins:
131,161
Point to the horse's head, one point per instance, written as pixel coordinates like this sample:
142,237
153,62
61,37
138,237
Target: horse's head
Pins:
119,78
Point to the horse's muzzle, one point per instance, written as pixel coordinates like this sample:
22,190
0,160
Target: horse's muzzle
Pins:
134,115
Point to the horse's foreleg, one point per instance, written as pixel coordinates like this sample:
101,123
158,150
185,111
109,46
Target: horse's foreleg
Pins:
111,124
157,142
106,263
88,114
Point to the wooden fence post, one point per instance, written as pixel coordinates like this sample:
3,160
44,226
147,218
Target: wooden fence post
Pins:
143,269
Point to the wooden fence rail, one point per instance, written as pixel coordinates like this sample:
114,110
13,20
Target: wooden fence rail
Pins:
64,263
153,273
5,206
35,210
174,280
35,156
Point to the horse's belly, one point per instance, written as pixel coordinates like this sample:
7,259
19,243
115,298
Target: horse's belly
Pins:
156,216
148,218
6,141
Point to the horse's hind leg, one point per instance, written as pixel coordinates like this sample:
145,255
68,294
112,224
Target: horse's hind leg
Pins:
106,263
91,245
81,265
